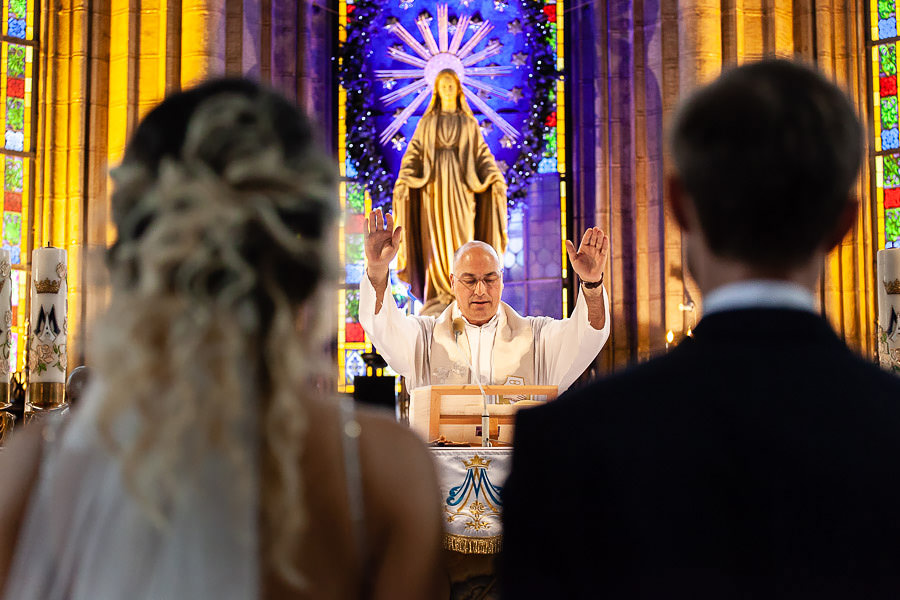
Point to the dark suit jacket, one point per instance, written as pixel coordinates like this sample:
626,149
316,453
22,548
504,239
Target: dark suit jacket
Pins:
760,459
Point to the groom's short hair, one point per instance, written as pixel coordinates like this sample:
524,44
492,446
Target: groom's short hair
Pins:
768,153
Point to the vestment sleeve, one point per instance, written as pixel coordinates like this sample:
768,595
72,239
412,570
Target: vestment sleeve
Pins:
396,336
568,346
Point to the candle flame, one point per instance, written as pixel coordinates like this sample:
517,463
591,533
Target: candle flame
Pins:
669,337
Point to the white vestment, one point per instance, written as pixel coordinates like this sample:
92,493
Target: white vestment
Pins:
524,350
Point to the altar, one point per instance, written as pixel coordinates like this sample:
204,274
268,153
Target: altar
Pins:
471,477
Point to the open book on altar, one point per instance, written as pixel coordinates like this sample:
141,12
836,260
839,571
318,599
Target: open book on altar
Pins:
454,411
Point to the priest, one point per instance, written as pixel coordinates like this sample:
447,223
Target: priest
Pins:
479,338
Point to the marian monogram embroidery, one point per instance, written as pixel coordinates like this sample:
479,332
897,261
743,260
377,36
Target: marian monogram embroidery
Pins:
475,498
46,351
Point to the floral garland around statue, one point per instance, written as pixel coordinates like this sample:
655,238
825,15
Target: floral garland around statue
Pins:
366,161
540,37
363,151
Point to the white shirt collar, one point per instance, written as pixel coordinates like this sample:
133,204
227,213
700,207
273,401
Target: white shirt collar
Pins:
758,293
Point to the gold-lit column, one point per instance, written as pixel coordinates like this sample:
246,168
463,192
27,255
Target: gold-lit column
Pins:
733,51
96,232
699,62
672,267
203,48
751,22
848,291
151,84
699,42
780,30
141,66
755,29
59,194
144,64
71,233
646,210
123,52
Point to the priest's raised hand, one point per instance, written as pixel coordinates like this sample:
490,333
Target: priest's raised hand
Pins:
590,260
589,263
382,244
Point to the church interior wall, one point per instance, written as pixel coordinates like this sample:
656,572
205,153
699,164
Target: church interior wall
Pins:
102,64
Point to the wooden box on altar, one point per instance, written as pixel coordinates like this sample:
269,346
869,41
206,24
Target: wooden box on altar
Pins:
454,411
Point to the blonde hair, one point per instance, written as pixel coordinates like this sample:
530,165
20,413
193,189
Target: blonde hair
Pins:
216,323
461,103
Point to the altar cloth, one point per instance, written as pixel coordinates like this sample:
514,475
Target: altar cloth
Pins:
471,482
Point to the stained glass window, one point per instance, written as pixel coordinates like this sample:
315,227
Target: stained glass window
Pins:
353,364
884,19
887,128
18,51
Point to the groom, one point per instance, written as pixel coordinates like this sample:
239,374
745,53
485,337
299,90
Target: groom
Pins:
760,458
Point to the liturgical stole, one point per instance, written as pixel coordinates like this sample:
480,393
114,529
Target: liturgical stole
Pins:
512,356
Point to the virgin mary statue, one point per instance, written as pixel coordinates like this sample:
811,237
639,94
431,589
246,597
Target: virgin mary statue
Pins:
449,192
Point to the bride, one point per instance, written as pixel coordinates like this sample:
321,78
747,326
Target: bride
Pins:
205,464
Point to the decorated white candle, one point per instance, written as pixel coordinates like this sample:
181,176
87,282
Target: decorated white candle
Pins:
48,328
888,288
5,324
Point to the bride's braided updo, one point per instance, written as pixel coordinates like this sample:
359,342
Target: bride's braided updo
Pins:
224,206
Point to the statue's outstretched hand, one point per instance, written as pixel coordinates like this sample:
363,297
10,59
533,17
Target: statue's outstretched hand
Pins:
382,240
590,260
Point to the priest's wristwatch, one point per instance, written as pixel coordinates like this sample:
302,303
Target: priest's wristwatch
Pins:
592,285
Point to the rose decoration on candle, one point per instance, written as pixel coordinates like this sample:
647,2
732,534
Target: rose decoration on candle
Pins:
50,356
47,356
45,353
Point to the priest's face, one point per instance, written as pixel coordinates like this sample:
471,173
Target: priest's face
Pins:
477,281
